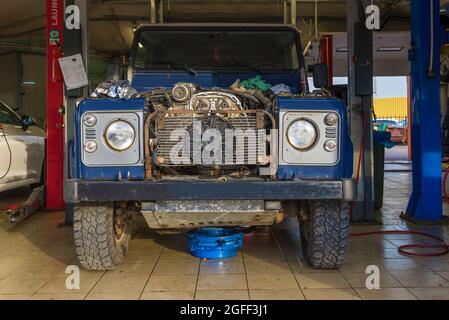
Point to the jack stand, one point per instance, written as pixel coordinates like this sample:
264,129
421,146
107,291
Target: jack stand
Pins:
34,202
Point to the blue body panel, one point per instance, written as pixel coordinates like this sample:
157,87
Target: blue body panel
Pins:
150,80
79,170
344,167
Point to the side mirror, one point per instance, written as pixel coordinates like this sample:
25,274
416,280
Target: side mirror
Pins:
27,122
320,75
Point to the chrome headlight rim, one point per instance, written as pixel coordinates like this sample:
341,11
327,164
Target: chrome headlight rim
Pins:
90,146
331,119
89,120
330,145
317,134
110,144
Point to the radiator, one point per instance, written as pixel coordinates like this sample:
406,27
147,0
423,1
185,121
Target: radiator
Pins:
244,150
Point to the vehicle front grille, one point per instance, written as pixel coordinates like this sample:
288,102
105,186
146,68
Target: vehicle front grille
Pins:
251,151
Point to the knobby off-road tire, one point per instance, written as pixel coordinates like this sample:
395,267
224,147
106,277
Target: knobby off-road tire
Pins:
98,244
324,228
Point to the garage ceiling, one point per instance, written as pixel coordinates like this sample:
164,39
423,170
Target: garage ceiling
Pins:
112,20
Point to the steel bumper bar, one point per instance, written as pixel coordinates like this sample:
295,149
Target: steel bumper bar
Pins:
76,191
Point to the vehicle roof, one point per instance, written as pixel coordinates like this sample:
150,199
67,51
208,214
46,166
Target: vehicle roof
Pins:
218,26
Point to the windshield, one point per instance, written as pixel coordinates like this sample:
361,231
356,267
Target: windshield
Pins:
216,50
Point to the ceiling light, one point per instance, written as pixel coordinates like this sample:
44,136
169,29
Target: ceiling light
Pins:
389,49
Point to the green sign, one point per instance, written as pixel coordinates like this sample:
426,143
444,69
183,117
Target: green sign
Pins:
54,37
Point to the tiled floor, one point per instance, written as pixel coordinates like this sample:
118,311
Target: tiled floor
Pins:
34,256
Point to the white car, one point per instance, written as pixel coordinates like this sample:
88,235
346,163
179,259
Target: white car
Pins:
22,150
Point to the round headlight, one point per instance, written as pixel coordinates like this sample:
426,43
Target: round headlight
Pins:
90,146
90,120
302,134
120,135
331,119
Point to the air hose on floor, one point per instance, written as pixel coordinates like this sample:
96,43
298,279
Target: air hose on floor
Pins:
408,249
404,249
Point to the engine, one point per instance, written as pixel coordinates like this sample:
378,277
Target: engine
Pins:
213,132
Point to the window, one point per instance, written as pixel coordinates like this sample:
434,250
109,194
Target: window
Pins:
7,116
217,50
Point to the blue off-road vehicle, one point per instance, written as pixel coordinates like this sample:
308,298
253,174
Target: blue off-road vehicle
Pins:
223,132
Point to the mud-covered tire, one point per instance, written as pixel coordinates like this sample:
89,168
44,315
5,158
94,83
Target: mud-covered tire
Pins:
324,228
96,243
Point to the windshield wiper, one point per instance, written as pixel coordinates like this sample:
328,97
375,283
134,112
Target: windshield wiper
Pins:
182,66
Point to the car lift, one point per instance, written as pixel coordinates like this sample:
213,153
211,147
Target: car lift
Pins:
52,191
425,203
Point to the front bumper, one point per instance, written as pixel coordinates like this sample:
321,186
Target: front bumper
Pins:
76,191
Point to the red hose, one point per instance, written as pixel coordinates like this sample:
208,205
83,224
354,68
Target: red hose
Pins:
444,248
405,248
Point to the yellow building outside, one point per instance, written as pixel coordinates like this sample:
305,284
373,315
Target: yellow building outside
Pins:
390,107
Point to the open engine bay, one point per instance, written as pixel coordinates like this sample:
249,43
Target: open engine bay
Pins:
230,127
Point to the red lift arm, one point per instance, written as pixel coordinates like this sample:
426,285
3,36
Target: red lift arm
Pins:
55,96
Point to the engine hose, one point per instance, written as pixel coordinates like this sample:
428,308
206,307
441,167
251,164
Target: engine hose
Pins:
441,246
10,153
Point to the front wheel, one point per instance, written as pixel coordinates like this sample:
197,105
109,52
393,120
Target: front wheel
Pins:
324,228
102,232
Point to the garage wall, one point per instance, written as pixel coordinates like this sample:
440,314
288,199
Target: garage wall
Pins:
8,78
382,67
34,95
29,94
392,63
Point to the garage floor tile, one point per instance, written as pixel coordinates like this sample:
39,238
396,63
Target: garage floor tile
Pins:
59,296
222,282
108,284
176,268
267,266
58,285
15,297
133,269
293,294
420,279
34,256
113,296
222,295
16,285
272,281
385,294
330,294
171,282
358,280
321,281
220,267
433,294
168,295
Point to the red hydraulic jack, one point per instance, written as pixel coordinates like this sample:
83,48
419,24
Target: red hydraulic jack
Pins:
35,201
